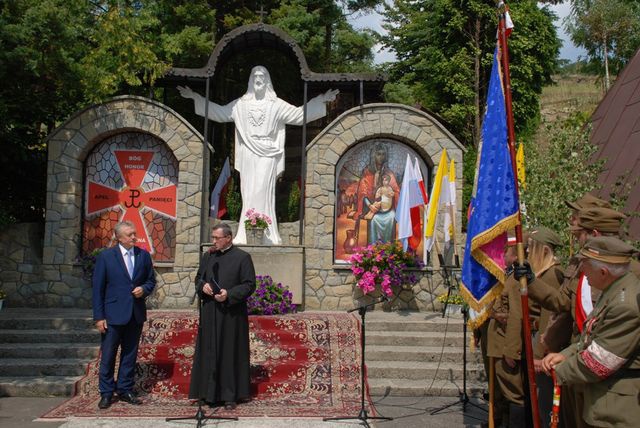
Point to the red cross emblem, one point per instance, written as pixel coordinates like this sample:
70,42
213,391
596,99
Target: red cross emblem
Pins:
131,198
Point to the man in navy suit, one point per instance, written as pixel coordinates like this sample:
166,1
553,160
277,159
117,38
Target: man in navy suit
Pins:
123,277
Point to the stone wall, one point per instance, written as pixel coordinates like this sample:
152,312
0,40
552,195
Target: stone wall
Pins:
329,286
69,146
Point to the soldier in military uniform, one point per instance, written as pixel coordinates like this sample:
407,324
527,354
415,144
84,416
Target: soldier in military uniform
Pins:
564,326
505,344
606,360
541,255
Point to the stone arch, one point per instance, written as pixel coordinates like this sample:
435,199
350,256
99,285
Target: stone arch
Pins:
69,146
328,286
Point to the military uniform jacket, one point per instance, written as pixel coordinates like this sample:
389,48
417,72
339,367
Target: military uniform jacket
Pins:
505,340
553,277
606,359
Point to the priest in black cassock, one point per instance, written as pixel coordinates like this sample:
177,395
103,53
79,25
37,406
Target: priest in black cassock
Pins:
225,280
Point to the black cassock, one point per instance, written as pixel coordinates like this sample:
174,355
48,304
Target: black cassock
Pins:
221,362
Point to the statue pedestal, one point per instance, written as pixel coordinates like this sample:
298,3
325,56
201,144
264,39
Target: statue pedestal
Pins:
284,263
255,236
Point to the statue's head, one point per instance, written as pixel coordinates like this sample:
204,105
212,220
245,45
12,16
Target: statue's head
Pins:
260,84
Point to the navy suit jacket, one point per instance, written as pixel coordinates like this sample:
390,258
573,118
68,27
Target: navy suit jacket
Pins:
112,286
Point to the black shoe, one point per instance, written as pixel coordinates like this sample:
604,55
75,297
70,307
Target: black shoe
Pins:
105,401
230,405
130,398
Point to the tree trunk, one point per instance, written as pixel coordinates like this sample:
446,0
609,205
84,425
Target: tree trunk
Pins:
606,64
328,32
476,87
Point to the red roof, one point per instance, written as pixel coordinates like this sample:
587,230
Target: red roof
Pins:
616,129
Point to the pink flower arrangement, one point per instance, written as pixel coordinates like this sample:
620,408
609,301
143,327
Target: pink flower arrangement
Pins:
256,220
383,265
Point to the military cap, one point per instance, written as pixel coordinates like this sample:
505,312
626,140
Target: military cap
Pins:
601,219
587,201
545,236
608,249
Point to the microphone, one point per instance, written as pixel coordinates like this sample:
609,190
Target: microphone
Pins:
213,279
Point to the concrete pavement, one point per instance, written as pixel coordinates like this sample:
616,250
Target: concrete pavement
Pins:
21,412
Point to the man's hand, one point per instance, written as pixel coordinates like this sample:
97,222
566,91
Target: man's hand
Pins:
221,296
101,325
186,92
138,292
207,289
537,366
551,361
328,96
510,362
523,270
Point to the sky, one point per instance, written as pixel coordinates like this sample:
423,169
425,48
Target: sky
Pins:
567,51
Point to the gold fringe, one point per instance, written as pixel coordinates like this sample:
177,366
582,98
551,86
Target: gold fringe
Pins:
484,238
486,299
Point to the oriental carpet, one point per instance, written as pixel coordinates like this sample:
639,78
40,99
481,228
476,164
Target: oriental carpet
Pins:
302,365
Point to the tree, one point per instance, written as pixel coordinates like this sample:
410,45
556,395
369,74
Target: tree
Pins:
559,171
608,29
61,55
445,48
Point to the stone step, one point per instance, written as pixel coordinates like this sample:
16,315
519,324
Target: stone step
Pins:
39,323
49,350
17,367
450,354
421,325
423,370
413,338
49,336
38,386
421,388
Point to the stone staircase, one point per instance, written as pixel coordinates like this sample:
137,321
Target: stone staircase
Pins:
419,354
43,352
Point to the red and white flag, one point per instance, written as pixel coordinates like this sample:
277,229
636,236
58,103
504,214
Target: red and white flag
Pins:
412,197
218,195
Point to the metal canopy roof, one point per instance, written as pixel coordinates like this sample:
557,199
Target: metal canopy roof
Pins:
266,36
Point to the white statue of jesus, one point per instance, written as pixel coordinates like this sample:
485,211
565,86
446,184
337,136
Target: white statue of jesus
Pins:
260,118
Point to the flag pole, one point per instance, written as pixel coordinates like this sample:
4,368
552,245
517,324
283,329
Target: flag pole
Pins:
524,296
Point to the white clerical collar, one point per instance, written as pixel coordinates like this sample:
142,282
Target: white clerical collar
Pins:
227,248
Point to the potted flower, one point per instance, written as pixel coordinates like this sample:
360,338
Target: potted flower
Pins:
88,262
381,266
270,298
454,302
254,225
3,296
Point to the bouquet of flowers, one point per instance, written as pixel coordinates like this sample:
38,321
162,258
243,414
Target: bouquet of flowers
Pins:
256,220
383,265
270,298
88,262
452,299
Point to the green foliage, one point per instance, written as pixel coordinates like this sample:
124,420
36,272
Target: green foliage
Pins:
445,49
234,200
607,29
468,178
558,172
293,202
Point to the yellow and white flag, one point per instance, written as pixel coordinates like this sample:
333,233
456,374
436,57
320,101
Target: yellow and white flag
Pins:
441,180
520,165
448,199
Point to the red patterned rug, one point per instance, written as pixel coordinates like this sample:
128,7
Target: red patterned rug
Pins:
303,365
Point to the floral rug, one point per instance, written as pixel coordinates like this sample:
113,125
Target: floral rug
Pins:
303,365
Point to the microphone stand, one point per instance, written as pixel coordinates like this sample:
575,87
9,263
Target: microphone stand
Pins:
200,417
363,415
463,397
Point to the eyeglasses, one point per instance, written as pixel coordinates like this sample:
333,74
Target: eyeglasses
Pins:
215,238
